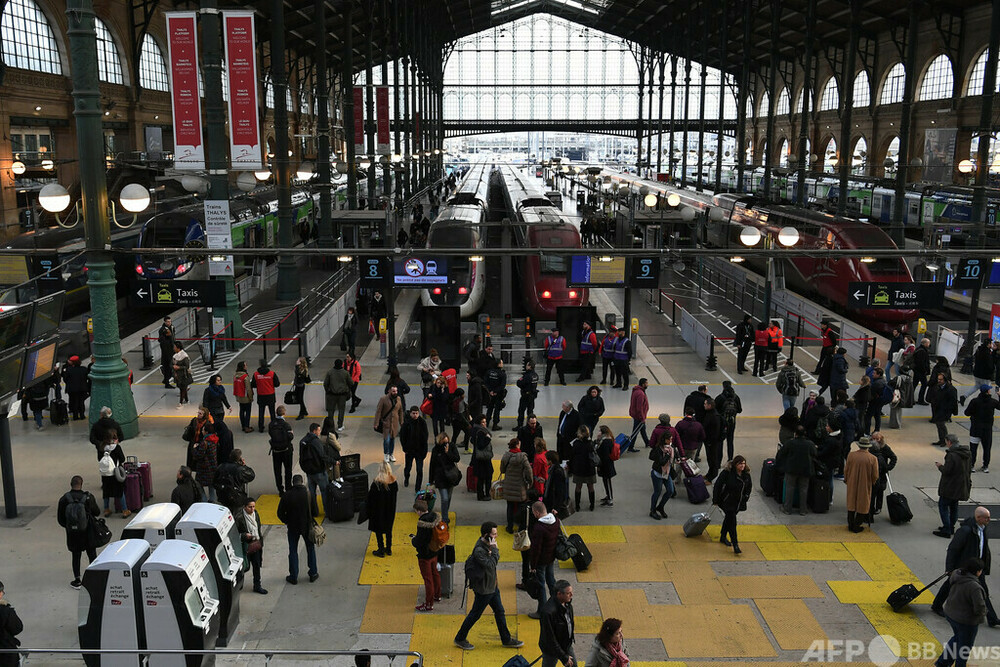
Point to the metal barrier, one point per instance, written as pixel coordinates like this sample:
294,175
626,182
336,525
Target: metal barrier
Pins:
266,654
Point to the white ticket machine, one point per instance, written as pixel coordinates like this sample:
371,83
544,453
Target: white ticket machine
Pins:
179,610
212,526
110,604
154,523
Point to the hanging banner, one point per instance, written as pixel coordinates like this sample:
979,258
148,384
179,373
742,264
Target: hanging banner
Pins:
219,236
416,132
241,61
359,121
939,154
382,112
182,56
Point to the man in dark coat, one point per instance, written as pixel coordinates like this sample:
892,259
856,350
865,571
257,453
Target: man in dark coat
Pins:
413,439
165,336
795,459
481,573
77,379
475,395
955,484
294,512
743,342
79,524
544,534
922,369
188,491
528,386
728,405
838,371
526,436
496,390
557,632
981,409
970,541
696,401
569,422
713,439
944,404
10,627
982,368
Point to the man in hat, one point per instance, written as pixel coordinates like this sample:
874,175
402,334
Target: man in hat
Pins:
77,380
860,474
588,351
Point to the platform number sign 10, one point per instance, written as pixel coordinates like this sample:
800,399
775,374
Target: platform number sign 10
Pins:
971,273
645,272
375,270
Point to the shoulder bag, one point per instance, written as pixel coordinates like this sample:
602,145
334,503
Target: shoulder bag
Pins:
102,534
522,541
496,490
316,535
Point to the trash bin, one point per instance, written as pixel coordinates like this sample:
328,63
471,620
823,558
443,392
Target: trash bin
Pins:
207,345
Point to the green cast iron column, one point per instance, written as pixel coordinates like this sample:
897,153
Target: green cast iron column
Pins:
288,287
215,131
109,376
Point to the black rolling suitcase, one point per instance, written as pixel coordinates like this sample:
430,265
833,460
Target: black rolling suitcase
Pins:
341,502
819,495
896,503
768,477
907,593
358,481
582,558
58,412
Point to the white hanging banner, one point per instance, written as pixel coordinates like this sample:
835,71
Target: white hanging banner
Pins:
241,64
218,231
182,56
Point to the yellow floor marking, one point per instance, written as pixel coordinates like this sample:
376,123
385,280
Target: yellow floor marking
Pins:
659,533
631,604
696,583
754,533
598,534
434,635
905,626
465,537
874,592
686,550
805,551
508,593
793,586
712,631
267,507
794,627
389,609
812,533
881,563
623,562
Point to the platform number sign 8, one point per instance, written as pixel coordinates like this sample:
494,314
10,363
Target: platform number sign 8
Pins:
375,270
971,272
645,272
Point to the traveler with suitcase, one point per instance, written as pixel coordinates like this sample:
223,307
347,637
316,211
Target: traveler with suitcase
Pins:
966,609
542,555
860,474
427,558
731,492
443,473
382,508
662,456
106,428
887,460
970,541
795,460
110,463
481,577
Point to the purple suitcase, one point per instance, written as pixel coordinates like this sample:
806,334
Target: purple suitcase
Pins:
133,491
146,475
696,490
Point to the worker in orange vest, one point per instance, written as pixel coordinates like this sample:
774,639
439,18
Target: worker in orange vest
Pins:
775,343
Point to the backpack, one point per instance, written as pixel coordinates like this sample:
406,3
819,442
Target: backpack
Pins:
440,536
309,459
729,411
787,382
77,516
278,435
616,450
473,570
821,423
886,393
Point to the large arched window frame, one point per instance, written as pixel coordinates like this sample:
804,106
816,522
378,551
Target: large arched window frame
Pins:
830,99
939,80
977,75
893,86
27,40
784,103
152,66
765,106
862,90
109,64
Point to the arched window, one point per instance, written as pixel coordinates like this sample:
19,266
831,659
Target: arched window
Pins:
26,39
977,75
830,100
859,156
939,81
862,90
152,67
783,154
800,102
765,106
892,89
784,103
830,156
268,93
109,66
749,108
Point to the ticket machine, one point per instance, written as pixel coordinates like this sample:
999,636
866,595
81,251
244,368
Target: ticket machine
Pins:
179,609
110,604
154,523
212,526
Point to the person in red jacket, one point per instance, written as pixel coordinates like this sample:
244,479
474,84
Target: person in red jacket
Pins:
761,337
638,408
265,381
353,368
543,553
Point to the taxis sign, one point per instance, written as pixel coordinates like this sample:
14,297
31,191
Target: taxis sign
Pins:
897,295
178,293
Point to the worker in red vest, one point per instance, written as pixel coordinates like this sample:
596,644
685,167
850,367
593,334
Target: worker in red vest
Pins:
588,352
555,345
761,337
265,382
775,342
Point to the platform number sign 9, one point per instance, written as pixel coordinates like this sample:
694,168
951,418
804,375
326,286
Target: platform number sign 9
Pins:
375,270
645,272
971,272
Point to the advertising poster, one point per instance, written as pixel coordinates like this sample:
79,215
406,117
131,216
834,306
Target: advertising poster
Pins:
939,154
241,61
182,56
359,121
382,113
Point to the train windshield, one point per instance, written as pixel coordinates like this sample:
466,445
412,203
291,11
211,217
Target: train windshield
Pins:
169,231
550,264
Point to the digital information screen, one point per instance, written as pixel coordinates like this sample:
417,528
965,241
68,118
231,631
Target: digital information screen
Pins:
586,271
39,361
420,272
47,316
10,373
15,324
993,277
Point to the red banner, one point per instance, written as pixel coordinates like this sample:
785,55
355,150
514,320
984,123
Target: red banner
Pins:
416,131
182,56
359,121
382,112
241,61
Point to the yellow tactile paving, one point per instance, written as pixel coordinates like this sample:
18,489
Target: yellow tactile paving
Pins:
905,626
401,567
659,533
874,592
791,623
656,664
813,533
597,534
686,550
464,538
880,562
267,507
804,551
714,631
508,592
791,586
696,583
630,603
620,562
434,635
389,610
754,533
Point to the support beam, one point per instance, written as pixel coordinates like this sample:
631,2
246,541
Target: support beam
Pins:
772,75
902,169
288,287
847,96
326,236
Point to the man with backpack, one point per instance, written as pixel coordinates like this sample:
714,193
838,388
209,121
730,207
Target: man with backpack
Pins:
728,405
481,578
788,383
231,479
77,513
280,434
312,460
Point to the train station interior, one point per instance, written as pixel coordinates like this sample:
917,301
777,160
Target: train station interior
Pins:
441,197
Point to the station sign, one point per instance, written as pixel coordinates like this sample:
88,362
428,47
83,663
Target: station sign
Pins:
420,271
178,293
644,272
374,271
898,295
971,273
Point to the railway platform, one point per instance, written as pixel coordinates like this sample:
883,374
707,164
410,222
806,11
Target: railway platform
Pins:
803,584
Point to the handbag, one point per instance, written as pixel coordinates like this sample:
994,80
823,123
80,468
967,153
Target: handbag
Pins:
532,587
496,492
690,468
254,546
565,550
102,534
453,475
522,541
427,407
291,398
316,534
595,460
120,473
371,327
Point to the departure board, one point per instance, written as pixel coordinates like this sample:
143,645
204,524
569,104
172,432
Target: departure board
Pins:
586,271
